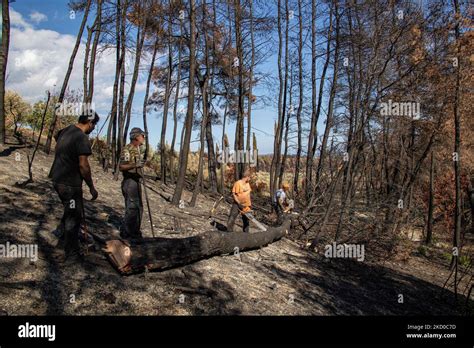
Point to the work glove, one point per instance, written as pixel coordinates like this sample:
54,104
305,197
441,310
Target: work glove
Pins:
246,210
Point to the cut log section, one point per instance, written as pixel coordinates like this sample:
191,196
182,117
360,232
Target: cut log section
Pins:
163,253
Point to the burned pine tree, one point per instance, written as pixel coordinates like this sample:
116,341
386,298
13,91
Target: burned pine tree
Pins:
163,253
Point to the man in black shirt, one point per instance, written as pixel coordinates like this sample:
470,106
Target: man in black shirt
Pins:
69,168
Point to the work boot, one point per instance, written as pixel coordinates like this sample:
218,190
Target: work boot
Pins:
135,239
58,233
123,233
86,239
58,255
60,244
61,257
75,258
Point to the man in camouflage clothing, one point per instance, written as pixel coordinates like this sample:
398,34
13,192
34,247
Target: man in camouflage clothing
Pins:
131,164
105,155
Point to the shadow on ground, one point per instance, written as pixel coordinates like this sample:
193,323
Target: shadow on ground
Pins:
321,286
346,287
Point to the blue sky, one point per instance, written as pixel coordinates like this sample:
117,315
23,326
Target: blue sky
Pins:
42,37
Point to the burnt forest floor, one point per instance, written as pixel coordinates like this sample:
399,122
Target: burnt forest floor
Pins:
283,278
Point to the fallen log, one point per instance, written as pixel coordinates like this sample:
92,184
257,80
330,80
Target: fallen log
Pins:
158,254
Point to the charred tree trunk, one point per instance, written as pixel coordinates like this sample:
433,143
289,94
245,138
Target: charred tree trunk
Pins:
175,106
332,96
205,110
121,117
313,147
312,131
183,158
112,129
163,253
224,151
197,187
252,63
457,136
128,106
278,129
203,82
166,107
255,148
3,64
239,129
281,163
97,30
86,61
211,161
211,165
300,101
429,228
457,151
289,113
145,99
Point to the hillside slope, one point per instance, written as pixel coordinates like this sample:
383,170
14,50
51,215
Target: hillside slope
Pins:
280,279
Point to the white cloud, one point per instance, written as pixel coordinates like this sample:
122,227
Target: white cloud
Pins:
27,59
16,20
38,61
38,17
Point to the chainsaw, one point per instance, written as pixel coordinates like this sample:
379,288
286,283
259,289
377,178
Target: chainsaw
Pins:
252,218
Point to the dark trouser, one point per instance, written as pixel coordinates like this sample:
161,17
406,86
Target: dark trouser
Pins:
279,211
234,212
71,198
133,209
105,164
